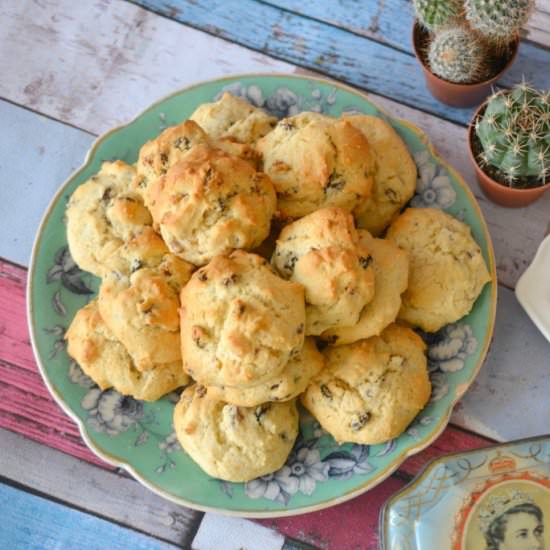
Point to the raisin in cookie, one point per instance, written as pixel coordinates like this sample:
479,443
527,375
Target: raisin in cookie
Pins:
292,381
394,174
391,276
157,156
142,310
105,360
322,252
167,149
233,117
447,269
316,161
240,322
211,203
103,214
371,390
234,443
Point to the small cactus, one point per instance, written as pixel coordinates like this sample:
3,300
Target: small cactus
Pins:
514,133
457,55
434,14
498,20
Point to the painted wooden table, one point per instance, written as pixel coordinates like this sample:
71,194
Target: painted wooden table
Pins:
70,71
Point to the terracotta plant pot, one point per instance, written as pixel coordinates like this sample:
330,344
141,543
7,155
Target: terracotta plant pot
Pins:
453,93
497,192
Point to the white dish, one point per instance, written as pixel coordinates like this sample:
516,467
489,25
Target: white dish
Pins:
533,289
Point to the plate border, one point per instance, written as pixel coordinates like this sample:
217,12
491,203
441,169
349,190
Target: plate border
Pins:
383,474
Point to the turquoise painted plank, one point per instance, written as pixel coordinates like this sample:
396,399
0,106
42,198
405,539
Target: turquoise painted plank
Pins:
38,154
390,22
316,45
30,522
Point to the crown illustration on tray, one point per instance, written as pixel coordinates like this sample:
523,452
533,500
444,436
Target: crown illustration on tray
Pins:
498,505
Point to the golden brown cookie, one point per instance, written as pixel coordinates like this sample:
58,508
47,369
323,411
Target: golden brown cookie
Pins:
158,155
102,215
234,443
167,149
240,322
142,310
322,252
105,360
290,383
315,162
391,269
447,269
394,174
233,117
371,390
211,203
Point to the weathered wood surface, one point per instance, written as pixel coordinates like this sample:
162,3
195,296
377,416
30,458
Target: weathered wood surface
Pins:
104,493
509,397
30,521
538,28
334,51
37,155
98,63
389,21
94,65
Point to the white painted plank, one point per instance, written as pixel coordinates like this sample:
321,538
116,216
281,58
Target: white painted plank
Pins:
217,532
36,155
97,63
94,490
509,398
538,26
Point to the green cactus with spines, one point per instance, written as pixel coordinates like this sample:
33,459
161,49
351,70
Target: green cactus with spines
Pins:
498,21
434,14
514,133
457,55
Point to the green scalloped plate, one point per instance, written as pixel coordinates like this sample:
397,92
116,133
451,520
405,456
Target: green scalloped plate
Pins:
139,437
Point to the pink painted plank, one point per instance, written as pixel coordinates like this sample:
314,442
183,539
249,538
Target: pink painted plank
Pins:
32,413
348,526
14,336
26,406
452,440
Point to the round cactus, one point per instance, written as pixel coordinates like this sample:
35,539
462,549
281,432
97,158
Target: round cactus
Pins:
457,55
514,133
434,14
498,20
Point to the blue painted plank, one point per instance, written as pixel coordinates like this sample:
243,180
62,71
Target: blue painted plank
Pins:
390,22
30,522
323,47
38,154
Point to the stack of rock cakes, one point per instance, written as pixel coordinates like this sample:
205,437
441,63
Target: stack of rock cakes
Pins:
261,262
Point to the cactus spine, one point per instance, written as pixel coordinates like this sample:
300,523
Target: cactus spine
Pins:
434,14
515,134
456,55
498,20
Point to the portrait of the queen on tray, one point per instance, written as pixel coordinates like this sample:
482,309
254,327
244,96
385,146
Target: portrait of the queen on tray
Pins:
509,511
